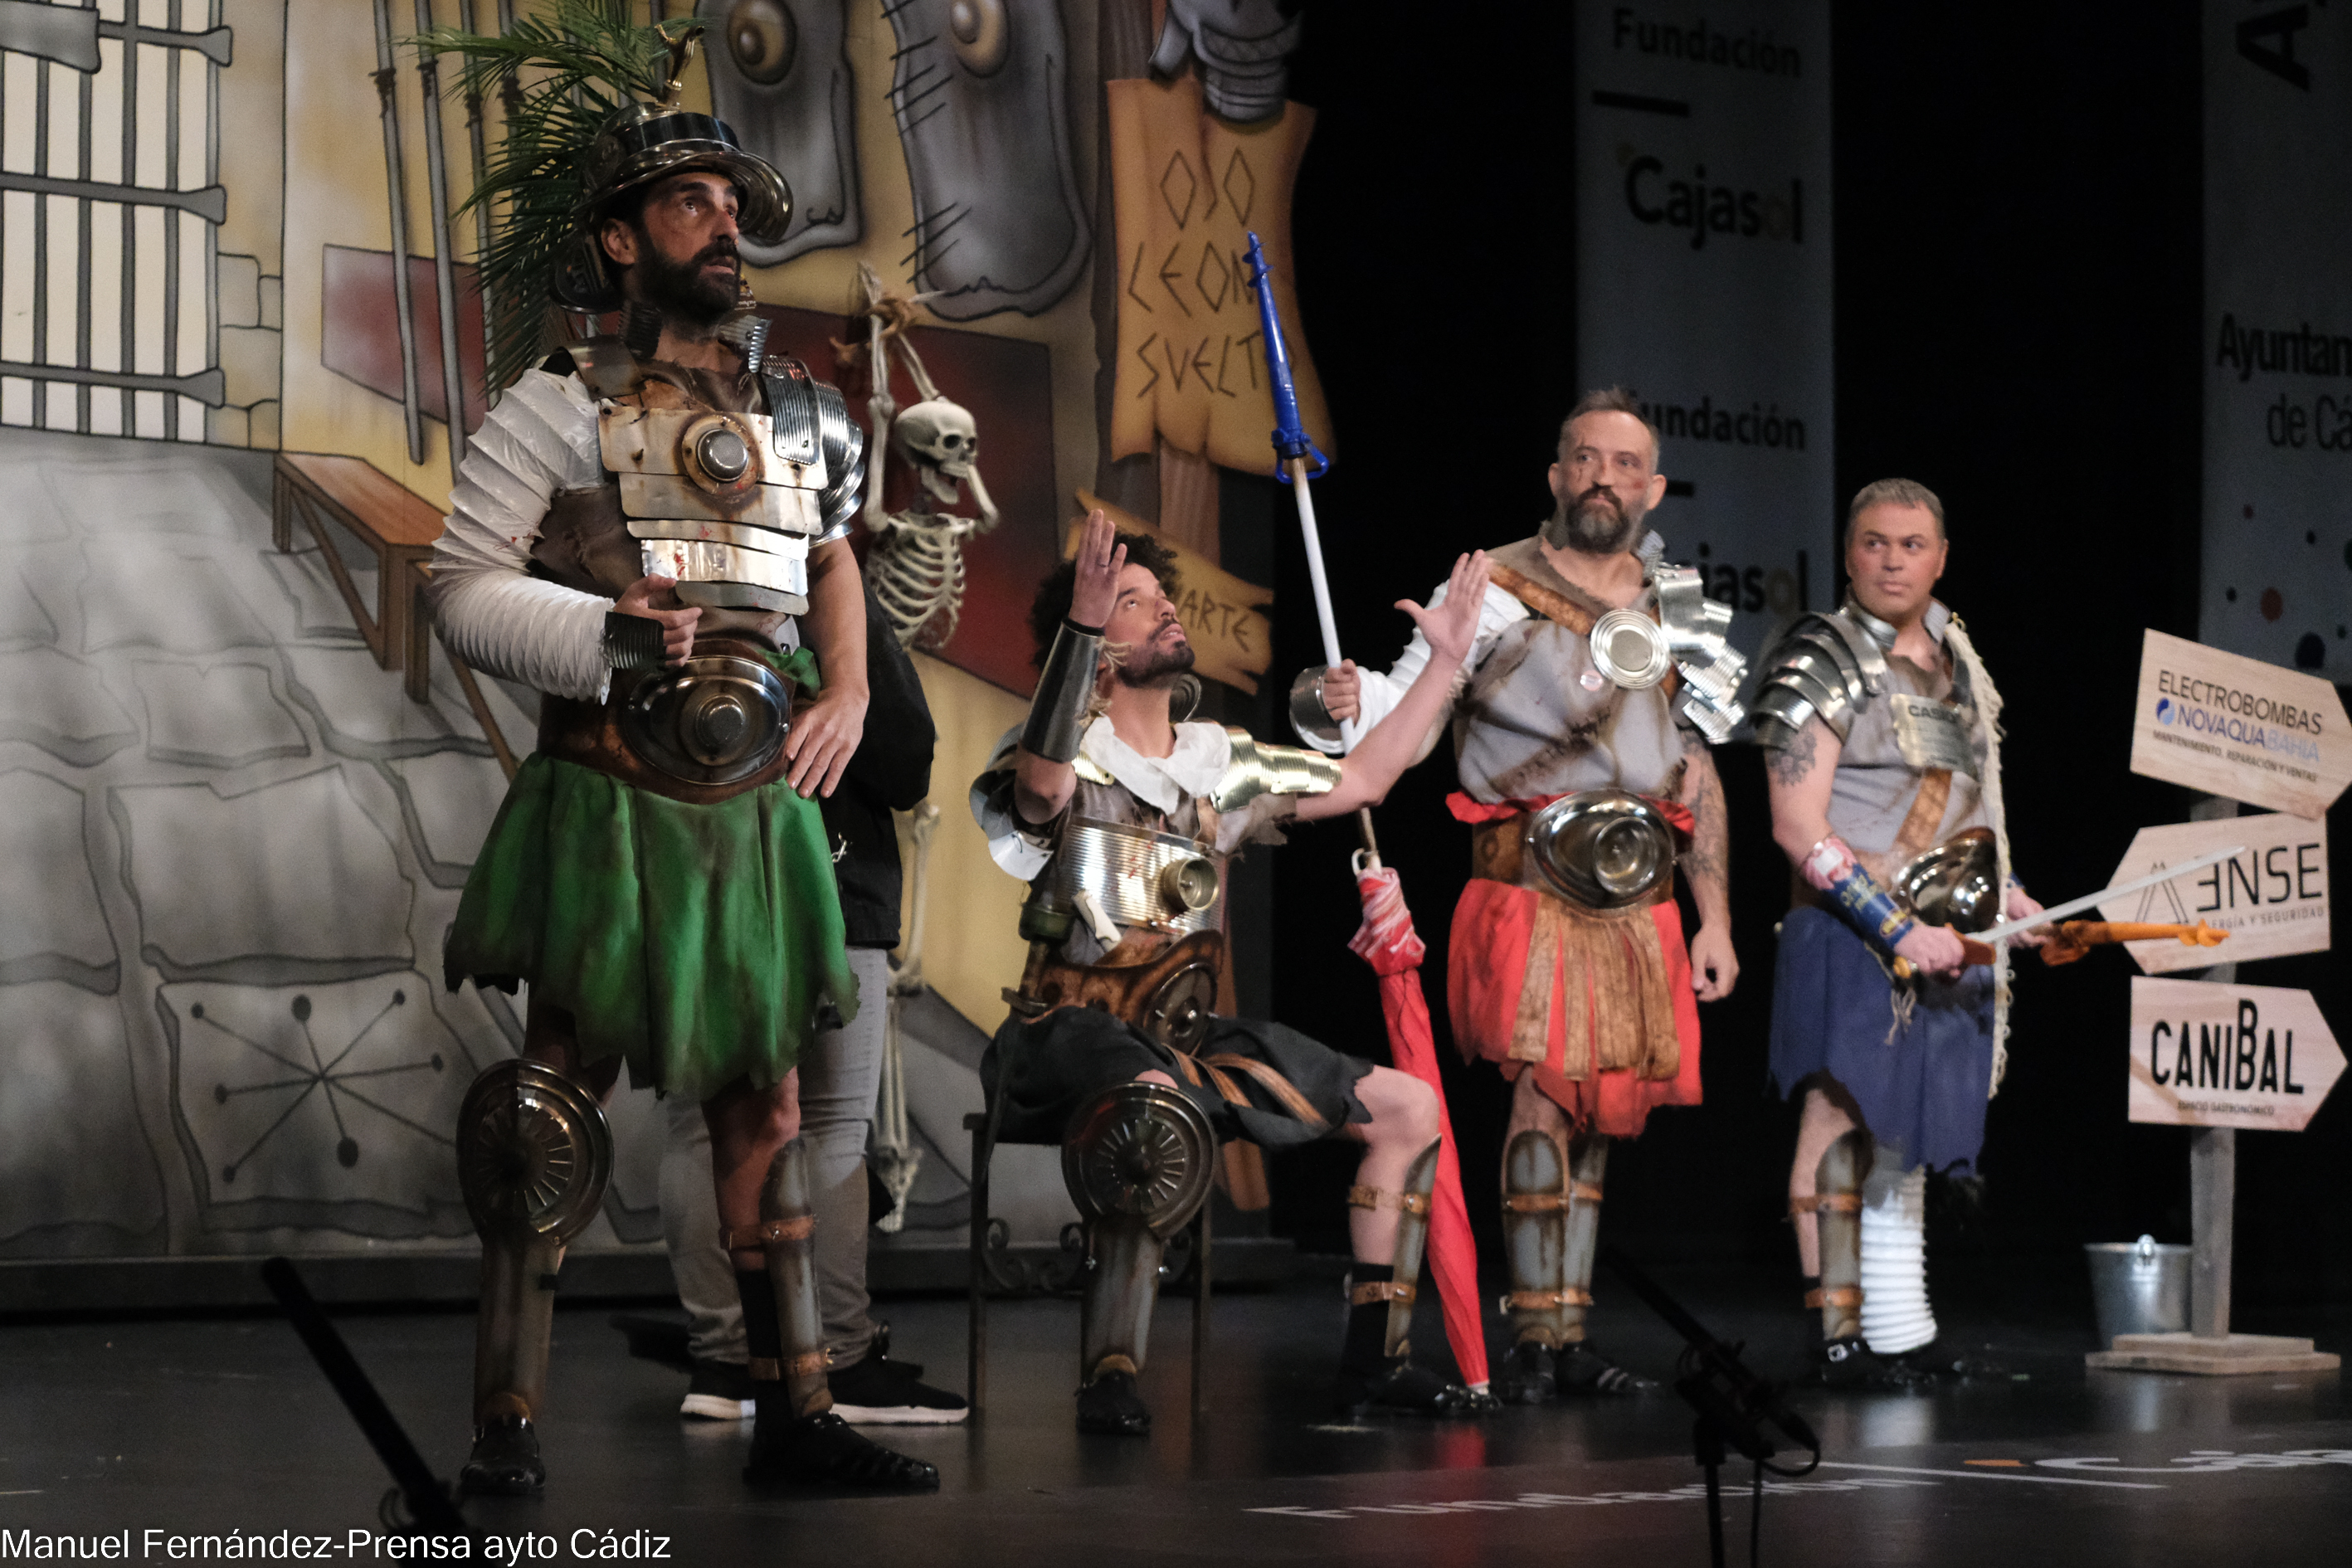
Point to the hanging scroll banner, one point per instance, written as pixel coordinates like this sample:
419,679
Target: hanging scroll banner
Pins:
1224,618
1189,186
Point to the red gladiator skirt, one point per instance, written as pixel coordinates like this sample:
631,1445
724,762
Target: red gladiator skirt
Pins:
1599,1006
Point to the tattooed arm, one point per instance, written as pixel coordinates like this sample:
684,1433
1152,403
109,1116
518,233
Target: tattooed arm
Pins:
1707,864
1799,776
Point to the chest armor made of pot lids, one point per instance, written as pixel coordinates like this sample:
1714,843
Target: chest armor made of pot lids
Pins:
725,502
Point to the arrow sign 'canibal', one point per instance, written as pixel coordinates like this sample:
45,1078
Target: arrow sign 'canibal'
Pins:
2257,1057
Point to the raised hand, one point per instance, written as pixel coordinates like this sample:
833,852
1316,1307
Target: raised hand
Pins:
653,598
1452,628
1101,557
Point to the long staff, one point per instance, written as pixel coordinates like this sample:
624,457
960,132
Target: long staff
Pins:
1387,942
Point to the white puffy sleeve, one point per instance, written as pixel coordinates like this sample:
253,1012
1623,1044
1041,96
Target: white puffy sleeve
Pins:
1381,693
539,442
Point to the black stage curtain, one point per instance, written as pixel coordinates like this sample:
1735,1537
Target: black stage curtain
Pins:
2018,262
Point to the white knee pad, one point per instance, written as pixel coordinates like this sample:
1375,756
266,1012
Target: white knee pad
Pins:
1895,1316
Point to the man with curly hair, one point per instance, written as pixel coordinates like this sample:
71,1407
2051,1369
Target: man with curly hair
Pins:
1120,816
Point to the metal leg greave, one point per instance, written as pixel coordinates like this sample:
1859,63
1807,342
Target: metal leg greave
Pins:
1412,1237
1587,1158
1837,1214
516,1321
533,1157
1123,1258
787,1234
1535,1235
1137,1160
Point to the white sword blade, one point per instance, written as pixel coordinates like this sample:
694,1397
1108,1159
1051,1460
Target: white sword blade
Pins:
2091,900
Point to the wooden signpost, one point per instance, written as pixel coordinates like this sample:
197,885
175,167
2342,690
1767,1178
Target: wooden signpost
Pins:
2216,1056
2239,728
2271,900
2203,1055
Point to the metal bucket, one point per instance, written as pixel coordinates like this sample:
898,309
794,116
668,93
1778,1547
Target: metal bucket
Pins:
2138,1287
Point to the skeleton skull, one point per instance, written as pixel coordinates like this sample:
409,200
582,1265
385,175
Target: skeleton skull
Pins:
939,439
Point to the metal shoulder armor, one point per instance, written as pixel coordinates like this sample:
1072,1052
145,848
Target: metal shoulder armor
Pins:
1259,769
1711,668
1826,666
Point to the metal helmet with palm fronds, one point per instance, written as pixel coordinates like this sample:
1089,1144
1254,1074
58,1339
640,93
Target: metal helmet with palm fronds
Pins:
597,118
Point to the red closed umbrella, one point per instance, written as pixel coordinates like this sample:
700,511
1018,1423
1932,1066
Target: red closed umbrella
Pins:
1389,944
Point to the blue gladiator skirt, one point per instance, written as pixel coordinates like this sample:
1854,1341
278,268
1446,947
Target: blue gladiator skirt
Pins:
1921,1084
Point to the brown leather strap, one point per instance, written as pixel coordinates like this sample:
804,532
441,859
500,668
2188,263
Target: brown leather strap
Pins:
1274,1083
1384,1290
1381,1198
1554,605
1545,1203
1544,1301
1922,823
752,1237
1835,1203
1242,1165
1844,1296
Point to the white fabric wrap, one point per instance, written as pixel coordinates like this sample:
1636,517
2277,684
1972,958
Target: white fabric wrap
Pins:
1896,1313
1379,694
1988,704
537,443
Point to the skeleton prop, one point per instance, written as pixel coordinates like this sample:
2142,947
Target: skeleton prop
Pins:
916,564
896,1158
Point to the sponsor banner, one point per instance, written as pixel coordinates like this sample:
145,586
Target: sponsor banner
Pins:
2278,333
2257,1057
2271,900
2239,728
1704,280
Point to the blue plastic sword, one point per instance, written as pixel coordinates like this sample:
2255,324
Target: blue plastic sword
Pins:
1292,450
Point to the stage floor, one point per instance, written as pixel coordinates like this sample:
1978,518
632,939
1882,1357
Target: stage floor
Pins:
199,1428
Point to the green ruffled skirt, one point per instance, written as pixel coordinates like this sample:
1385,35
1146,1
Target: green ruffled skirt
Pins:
695,942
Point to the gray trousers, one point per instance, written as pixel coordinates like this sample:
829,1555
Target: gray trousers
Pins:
840,1075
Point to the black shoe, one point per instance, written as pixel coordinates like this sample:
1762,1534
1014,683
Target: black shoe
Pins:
875,1390
720,1391
1400,1385
823,1451
1583,1371
881,1346
1110,1406
1525,1377
1945,1364
1850,1366
505,1461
